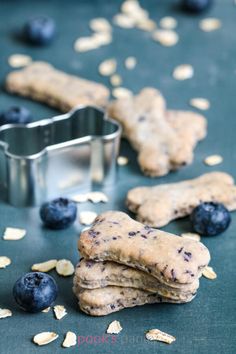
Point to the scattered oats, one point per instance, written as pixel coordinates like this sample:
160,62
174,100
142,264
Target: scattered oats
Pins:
183,72
210,24
213,160
130,63
116,80
46,310
200,103
166,37
44,338
123,21
168,22
114,328
19,60
80,198
13,234
146,24
97,197
87,217
59,312
191,235
121,92
100,25
44,266
4,262
209,273
84,44
5,313
70,340
156,334
122,160
102,38
65,268
133,9
107,67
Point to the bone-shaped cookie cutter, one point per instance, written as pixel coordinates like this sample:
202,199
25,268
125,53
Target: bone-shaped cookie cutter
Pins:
58,156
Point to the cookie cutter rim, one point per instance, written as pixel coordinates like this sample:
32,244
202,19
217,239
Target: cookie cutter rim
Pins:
25,159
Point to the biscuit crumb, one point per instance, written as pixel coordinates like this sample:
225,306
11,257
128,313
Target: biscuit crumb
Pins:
167,38
122,160
4,262
46,310
13,234
70,340
209,273
59,311
183,72
213,160
191,235
210,24
44,266
65,268
19,60
87,217
5,313
168,22
44,338
107,67
114,328
156,334
200,103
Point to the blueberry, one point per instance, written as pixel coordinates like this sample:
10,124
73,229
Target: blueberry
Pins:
35,291
196,6
40,30
210,219
59,213
15,115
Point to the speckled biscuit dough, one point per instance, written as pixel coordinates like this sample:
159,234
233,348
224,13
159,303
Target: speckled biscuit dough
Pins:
158,205
103,301
171,259
164,139
42,82
91,275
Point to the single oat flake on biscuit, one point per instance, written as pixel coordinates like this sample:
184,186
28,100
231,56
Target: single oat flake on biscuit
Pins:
200,103
160,204
209,273
4,262
183,72
44,338
70,340
210,24
65,268
44,266
156,334
59,311
114,327
19,60
213,160
13,234
87,217
167,38
4,313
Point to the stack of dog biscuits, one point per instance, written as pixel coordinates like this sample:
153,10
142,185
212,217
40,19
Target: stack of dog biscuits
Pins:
126,263
164,139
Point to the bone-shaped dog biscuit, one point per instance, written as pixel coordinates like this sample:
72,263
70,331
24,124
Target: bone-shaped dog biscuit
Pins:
164,139
158,205
42,82
171,259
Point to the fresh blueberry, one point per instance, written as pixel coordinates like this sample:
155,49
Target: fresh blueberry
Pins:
196,6
210,219
59,213
15,115
40,30
35,291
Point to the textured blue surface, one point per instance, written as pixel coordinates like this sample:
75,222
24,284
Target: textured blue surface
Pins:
208,324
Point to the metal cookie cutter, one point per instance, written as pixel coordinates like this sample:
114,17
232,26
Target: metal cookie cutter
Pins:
58,156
